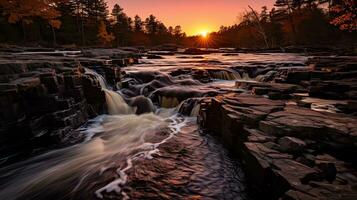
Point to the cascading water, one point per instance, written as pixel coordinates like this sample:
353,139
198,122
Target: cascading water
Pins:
115,102
122,138
226,74
100,78
134,156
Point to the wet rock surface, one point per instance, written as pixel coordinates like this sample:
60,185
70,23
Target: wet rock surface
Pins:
45,97
286,149
291,149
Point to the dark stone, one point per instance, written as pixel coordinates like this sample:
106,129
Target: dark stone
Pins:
291,144
289,167
142,104
152,56
298,76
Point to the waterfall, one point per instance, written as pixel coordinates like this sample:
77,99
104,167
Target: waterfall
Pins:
190,107
169,102
115,102
226,74
120,140
102,82
246,76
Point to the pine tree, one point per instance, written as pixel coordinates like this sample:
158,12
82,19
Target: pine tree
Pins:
70,29
89,14
138,24
151,25
122,26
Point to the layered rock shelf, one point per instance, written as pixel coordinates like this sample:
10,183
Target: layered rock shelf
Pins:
45,97
291,148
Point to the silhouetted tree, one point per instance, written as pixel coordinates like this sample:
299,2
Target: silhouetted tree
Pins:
86,22
138,24
151,25
122,25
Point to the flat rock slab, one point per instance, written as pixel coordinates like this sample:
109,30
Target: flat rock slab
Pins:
285,148
305,123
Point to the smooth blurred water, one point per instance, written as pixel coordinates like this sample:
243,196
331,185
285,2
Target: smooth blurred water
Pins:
170,63
149,156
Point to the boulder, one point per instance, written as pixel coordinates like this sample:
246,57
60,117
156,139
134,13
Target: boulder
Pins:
142,104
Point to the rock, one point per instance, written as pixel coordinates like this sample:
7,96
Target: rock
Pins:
329,89
7,88
249,125
291,144
297,195
260,90
51,83
72,81
266,168
255,135
119,62
327,164
249,84
152,56
332,191
352,106
298,76
12,68
278,95
195,51
257,164
305,123
142,104
307,159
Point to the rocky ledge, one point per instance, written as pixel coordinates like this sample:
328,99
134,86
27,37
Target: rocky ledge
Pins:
291,148
288,152
45,97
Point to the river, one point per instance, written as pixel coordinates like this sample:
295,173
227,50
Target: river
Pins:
158,155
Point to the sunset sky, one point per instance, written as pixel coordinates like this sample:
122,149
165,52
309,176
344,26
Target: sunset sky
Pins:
195,16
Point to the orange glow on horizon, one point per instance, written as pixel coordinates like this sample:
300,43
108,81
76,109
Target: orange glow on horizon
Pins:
193,16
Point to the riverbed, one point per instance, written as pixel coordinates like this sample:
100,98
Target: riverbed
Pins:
157,155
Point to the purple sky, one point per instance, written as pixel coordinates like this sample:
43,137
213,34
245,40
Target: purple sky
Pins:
195,16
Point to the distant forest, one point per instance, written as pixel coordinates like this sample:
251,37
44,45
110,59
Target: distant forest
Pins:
76,23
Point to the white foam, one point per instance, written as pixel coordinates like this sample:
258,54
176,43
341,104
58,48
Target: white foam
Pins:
150,149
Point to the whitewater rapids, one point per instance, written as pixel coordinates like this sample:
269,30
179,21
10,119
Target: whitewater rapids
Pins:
119,140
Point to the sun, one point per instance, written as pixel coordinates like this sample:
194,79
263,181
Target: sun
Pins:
204,34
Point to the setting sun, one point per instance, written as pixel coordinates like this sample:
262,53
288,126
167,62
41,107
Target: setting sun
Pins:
204,34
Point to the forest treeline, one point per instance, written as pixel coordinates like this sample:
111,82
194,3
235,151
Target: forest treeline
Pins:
91,23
